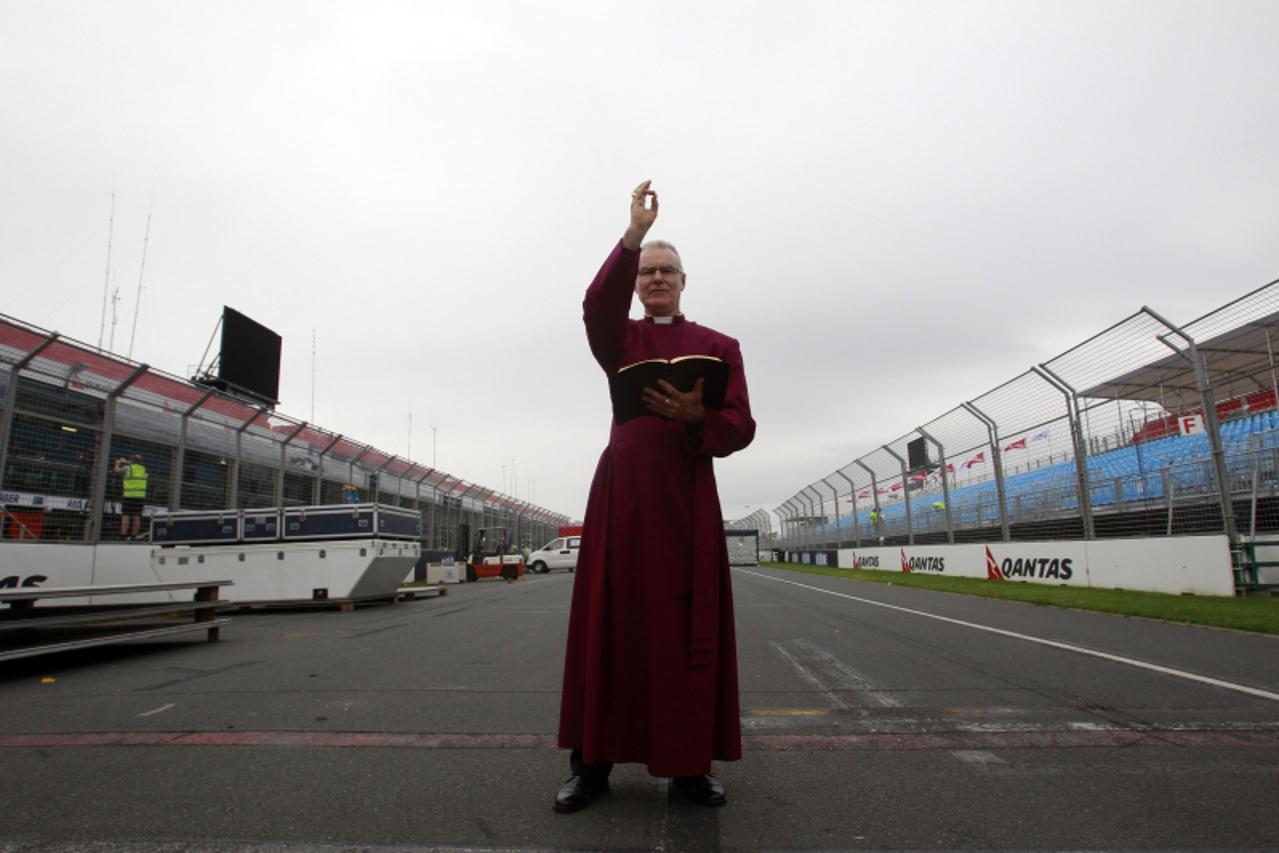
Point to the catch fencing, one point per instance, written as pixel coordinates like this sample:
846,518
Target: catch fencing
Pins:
1130,433
70,413
758,520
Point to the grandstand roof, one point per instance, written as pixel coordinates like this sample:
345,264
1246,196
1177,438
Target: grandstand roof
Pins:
1239,361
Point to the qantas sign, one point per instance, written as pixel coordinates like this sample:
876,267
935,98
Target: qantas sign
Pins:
1044,568
922,564
866,561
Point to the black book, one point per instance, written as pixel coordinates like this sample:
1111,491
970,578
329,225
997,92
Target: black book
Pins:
627,385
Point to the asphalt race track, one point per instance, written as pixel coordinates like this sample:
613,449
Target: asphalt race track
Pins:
875,718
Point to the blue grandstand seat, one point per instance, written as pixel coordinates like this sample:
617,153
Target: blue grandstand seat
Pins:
1125,474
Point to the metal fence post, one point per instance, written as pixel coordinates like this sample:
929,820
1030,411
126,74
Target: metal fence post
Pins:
819,536
234,500
819,518
945,487
910,527
797,523
792,538
97,504
806,521
446,535
175,487
350,466
1210,419
1077,436
284,451
852,498
317,486
375,494
424,516
835,500
997,462
877,522
11,400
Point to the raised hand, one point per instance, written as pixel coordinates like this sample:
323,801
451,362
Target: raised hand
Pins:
643,214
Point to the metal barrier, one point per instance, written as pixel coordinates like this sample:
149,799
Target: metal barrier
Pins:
1145,429
72,418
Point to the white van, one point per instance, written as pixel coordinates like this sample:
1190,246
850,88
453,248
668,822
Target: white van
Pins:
559,553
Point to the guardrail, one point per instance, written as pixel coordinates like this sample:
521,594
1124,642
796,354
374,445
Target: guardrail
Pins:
105,624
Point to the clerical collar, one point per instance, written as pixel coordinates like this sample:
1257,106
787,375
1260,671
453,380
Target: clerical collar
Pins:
663,321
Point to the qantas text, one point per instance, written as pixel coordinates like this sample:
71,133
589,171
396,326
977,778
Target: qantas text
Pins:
1038,567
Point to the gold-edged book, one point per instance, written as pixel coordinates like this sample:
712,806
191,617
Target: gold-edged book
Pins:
627,385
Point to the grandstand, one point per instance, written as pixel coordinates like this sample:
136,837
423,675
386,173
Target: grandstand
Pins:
67,410
1146,420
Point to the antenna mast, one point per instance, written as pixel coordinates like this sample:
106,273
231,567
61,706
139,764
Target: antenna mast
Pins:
313,374
115,301
137,303
106,284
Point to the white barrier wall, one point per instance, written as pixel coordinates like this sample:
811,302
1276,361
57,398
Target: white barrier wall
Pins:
1183,564
49,564
352,568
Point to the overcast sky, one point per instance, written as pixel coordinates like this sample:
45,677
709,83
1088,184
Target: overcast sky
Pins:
894,206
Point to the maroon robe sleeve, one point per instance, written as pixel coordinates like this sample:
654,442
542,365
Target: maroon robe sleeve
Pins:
727,430
608,305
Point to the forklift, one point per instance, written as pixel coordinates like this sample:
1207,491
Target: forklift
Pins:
493,556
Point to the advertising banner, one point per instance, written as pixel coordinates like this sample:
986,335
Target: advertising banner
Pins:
1185,564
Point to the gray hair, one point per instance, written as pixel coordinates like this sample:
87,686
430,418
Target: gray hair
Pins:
662,244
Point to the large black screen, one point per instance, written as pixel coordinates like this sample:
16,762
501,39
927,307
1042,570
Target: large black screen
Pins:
250,357
917,454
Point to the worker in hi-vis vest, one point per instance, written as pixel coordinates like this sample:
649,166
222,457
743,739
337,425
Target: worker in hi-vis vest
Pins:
133,493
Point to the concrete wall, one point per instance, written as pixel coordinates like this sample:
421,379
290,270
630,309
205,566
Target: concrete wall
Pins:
1183,564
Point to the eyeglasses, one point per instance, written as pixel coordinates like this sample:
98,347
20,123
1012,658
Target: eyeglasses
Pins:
649,272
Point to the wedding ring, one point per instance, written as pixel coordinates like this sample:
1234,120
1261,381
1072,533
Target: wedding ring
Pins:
668,401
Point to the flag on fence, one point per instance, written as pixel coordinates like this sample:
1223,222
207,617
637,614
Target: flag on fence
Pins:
976,460
1019,444
1042,434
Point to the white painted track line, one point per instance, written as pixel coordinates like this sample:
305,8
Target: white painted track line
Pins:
1153,667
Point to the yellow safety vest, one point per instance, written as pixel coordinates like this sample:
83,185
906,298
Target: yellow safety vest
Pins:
135,481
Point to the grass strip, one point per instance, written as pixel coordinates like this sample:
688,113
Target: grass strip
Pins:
1257,614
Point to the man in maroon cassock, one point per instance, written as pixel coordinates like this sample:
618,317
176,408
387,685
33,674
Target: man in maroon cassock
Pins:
650,674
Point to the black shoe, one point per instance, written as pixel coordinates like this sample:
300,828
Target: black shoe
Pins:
577,793
704,790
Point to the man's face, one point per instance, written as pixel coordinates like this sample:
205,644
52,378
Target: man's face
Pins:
660,281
